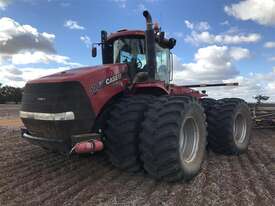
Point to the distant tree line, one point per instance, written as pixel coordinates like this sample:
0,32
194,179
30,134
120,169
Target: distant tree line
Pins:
10,94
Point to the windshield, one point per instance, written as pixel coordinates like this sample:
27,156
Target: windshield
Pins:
127,50
132,50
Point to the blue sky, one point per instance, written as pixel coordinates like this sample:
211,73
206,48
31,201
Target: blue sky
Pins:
216,40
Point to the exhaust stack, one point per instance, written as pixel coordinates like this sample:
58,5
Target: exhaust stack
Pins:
150,45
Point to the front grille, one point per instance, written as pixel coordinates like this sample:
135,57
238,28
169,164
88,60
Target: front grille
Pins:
57,98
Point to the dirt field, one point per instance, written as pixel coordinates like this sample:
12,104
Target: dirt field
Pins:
9,111
31,176
9,116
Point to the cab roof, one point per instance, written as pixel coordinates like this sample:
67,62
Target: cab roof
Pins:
128,33
124,33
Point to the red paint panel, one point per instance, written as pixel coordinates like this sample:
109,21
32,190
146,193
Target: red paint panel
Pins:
119,34
101,97
179,90
90,76
153,84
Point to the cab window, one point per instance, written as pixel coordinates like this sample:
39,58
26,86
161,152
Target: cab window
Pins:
163,63
127,50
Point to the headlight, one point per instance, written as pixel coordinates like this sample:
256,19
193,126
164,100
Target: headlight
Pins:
48,116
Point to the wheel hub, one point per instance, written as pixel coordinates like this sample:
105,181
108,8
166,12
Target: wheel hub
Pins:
189,139
239,129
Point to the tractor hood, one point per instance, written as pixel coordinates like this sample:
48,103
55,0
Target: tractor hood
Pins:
79,94
94,73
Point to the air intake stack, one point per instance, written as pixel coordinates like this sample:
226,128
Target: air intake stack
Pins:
150,45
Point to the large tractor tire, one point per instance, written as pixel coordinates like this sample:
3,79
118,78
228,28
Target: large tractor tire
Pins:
122,130
208,103
229,126
173,138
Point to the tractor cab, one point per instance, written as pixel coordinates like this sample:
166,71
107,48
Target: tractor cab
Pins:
147,53
132,51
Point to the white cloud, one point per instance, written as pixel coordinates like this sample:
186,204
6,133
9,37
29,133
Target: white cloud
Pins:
141,7
237,53
4,4
12,70
269,44
212,63
225,23
249,86
260,11
73,25
200,26
189,25
208,38
15,38
177,63
24,44
12,76
38,57
86,40
233,30
121,3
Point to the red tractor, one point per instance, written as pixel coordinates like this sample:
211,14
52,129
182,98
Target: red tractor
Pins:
129,105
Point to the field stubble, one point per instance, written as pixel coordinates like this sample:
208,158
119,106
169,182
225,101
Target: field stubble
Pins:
30,175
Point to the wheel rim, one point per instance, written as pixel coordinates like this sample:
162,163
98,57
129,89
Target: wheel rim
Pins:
189,139
239,129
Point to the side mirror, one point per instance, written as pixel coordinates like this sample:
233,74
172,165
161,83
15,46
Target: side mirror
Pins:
172,43
94,52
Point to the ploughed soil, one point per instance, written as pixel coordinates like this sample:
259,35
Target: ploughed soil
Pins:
9,115
30,175
9,111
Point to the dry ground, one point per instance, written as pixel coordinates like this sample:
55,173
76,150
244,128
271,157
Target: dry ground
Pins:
9,111
31,176
9,115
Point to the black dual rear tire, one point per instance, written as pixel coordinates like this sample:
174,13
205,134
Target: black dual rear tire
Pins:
173,138
122,129
229,125
166,136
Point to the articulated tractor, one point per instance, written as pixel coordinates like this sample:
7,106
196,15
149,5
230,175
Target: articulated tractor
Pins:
129,108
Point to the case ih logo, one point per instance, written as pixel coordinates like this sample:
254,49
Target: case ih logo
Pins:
105,82
113,79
